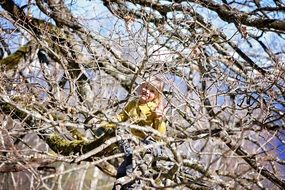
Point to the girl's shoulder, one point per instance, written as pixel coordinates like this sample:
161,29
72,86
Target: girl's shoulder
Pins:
134,103
150,106
131,104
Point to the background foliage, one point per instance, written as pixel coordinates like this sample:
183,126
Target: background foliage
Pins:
68,64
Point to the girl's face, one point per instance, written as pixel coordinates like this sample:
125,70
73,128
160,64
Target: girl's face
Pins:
147,93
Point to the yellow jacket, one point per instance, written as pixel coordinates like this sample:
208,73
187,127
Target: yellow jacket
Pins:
143,115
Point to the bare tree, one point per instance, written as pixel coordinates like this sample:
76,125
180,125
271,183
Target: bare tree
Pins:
68,66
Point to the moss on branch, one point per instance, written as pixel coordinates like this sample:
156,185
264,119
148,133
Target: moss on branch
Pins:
81,146
12,111
13,60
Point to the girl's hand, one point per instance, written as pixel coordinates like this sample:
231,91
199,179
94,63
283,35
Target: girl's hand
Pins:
160,110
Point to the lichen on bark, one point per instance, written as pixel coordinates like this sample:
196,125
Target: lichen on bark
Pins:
81,146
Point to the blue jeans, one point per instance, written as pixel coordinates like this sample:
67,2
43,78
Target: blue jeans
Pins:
155,151
126,166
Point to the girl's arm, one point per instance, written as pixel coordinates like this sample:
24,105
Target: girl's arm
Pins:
160,125
124,115
121,117
161,109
